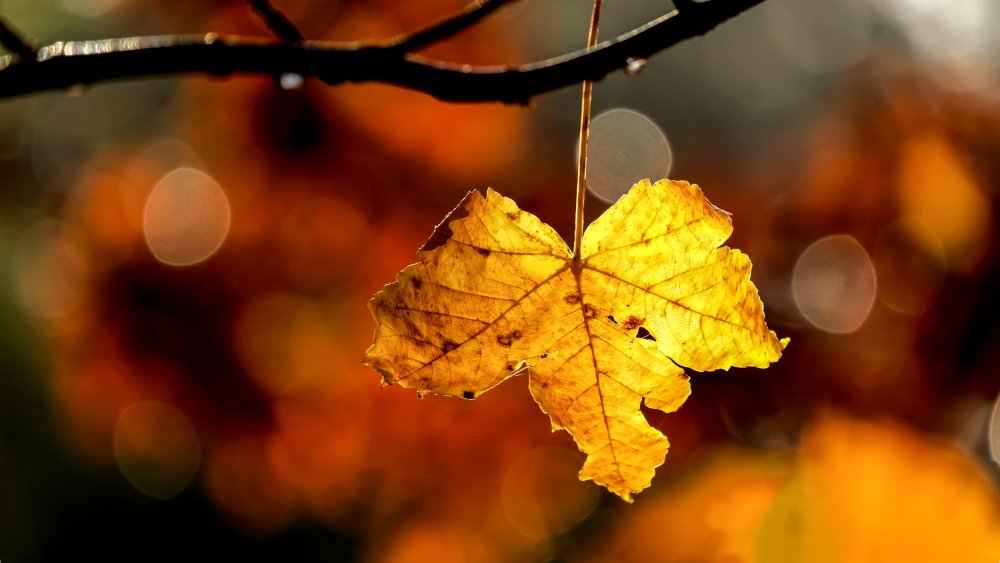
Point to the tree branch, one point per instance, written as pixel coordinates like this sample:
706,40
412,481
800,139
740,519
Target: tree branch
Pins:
66,64
277,22
13,41
446,27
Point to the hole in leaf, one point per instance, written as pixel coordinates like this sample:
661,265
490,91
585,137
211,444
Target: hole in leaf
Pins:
521,368
644,334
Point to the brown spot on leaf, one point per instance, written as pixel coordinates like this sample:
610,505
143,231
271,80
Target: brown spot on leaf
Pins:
468,395
509,366
632,322
572,298
448,346
411,327
612,319
508,339
417,284
545,385
483,251
544,355
589,311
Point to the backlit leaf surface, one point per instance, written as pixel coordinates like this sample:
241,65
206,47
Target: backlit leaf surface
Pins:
496,293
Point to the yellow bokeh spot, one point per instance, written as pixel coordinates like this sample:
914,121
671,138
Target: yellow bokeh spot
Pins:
937,187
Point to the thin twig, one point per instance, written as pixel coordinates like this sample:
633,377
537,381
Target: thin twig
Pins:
13,41
277,22
581,172
446,27
63,65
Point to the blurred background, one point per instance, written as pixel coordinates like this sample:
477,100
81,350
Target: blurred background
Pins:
185,266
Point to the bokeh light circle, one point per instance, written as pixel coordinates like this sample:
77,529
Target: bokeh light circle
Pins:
156,448
994,432
542,495
834,284
625,147
186,218
49,270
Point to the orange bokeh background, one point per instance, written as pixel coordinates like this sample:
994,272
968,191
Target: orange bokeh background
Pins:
219,408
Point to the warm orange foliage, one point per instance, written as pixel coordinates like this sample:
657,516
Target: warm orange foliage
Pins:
863,492
497,292
856,492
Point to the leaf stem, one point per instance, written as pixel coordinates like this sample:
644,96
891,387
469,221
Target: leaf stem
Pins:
581,172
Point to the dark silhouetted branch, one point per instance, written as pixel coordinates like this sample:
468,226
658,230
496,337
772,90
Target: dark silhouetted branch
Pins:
447,27
14,43
277,22
67,64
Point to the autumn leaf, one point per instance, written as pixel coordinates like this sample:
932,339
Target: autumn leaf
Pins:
497,293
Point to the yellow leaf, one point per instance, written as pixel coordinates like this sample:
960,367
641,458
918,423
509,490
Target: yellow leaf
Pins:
496,293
